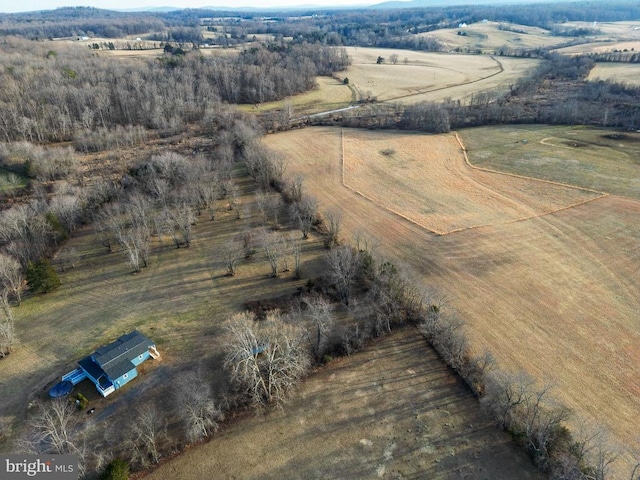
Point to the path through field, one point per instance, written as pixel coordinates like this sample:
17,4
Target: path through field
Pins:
556,295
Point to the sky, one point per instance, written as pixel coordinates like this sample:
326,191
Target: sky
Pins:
11,6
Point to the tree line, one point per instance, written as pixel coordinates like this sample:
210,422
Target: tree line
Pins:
556,92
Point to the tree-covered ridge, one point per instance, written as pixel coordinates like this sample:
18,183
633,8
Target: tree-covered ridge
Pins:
74,91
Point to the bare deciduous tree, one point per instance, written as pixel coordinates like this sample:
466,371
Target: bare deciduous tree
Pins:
7,326
305,212
272,248
232,253
265,359
333,222
319,312
195,406
147,433
54,429
10,277
342,265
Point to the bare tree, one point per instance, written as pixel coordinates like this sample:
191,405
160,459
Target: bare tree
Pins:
7,326
179,221
262,199
147,433
393,58
342,265
232,253
305,212
272,248
295,188
274,204
195,405
527,411
265,359
52,429
10,277
333,222
296,251
321,316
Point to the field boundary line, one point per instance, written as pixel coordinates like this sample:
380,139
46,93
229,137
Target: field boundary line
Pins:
366,197
515,175
468,163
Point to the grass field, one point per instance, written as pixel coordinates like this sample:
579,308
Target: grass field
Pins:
487,37
555,295
420,76
426,180
390,411
330,94
628,73
603,160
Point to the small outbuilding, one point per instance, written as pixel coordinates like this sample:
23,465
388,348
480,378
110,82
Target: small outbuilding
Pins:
112,366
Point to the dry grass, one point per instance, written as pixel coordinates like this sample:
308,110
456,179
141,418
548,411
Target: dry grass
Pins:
628,73
329,94
555,295
599,159
430,76
390,411
487,37
428,182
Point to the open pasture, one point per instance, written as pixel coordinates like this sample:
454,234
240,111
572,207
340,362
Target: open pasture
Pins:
556,295
329,94
487,37
422,76
599,159
628,73
390,411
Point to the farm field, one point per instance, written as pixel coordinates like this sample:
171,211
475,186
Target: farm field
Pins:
488,38
556,295
389,411
628,73
439,191
330,94
603,160
429,76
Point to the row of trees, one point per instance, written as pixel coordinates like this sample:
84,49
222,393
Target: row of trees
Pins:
562,96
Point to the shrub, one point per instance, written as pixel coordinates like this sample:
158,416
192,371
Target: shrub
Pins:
117,469
42,277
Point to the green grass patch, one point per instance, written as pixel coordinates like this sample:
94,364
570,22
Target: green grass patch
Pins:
601,159
10,181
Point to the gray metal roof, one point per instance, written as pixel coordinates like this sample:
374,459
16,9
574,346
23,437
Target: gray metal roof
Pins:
115,359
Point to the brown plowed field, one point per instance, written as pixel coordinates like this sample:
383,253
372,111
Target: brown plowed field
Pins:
556,295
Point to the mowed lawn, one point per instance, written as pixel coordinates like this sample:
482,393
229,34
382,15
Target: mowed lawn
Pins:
555,295
390,411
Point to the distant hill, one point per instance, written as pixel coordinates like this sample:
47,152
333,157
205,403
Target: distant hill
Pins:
447,3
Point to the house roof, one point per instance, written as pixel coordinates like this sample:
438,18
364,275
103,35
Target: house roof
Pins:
115,358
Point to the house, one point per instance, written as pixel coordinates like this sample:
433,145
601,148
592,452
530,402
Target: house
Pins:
112,366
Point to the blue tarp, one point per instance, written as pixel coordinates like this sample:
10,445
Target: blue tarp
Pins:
61,389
